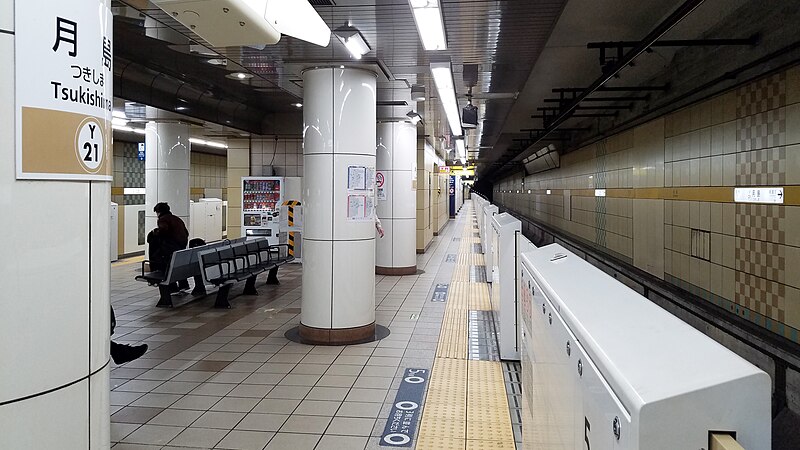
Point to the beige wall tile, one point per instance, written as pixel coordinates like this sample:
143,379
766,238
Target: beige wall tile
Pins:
792,225
793,164
681,213
792,304
729,137
729,105
704,216
793,85
648,236
682,240
729,170
728,283
792,263
716,217
694,214
729,251
793,124
705,171
716,279
667,237
716,248
729,218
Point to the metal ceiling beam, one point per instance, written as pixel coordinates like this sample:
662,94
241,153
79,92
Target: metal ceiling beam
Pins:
605,107
660,30
624,98
664,87
534,130
752,40
543,116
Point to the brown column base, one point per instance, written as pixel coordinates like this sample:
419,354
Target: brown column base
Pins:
410,270
337,336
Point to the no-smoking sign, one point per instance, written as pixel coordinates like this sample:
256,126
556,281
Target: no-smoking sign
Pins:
379,179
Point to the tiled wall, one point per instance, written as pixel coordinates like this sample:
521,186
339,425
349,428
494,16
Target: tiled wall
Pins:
128,172
284,155
208,172
669,207
425,162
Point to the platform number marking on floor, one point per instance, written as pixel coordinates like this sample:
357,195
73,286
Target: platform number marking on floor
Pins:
401,426
440,292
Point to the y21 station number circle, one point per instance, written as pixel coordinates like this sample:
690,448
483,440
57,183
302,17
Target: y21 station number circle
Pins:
90,144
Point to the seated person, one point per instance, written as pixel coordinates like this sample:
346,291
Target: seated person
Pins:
170,236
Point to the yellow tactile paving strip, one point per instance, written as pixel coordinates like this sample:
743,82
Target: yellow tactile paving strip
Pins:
466,407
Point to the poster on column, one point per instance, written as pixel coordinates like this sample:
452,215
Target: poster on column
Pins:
360,193
63,60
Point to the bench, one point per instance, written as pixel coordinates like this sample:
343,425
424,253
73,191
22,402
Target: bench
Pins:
225,265
184,264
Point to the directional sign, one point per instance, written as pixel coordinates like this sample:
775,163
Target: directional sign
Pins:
758,195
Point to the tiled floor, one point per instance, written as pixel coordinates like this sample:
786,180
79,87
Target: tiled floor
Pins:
229,378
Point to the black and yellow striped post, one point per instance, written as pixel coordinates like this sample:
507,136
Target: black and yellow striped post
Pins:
290,221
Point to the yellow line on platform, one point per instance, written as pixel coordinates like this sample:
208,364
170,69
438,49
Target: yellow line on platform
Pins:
466,407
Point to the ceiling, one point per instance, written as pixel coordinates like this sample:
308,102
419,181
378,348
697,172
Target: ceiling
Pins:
512,53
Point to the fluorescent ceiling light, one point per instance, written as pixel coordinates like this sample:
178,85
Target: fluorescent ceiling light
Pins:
207,143
352,40
128,129
430,26
443,78
297,105
118,122
460,150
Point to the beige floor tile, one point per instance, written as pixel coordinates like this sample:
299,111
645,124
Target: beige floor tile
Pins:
245,440
176,417
305,424
219,419
199,437
318,408
276,405
293,441
262,422
327,393
153,435
351,426
330,442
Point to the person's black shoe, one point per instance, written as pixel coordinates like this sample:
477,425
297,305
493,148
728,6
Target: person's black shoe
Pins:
122,353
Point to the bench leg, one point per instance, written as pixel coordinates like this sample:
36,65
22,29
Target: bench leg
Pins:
272,277
222,296
250,286
165,300
183,284
199,287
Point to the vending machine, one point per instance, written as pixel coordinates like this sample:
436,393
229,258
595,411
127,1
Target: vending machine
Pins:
262,198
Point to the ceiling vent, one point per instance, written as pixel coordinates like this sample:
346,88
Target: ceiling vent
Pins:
322,2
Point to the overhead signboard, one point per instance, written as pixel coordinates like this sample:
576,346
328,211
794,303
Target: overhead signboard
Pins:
758,195
444,169
64,92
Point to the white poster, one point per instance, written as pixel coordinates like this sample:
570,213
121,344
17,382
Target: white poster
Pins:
356,178
64,91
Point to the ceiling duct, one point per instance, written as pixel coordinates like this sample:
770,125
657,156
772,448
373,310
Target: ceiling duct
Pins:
138,83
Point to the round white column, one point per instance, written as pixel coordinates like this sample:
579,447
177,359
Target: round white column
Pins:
396,153
338,304
54,329
166,169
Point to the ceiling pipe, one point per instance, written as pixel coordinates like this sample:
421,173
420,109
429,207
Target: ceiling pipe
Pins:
673,19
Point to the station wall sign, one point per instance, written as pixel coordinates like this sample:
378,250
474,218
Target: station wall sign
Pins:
63,56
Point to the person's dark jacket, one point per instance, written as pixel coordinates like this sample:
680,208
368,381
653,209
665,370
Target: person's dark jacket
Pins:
170,236
172,230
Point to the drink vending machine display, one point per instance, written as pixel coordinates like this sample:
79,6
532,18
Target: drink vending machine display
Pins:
261,204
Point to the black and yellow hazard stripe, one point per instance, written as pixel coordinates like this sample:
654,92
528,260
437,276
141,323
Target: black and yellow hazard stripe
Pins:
290,221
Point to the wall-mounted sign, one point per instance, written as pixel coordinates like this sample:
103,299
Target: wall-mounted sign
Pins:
63,53
444,169
140,155
758,195
599,192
